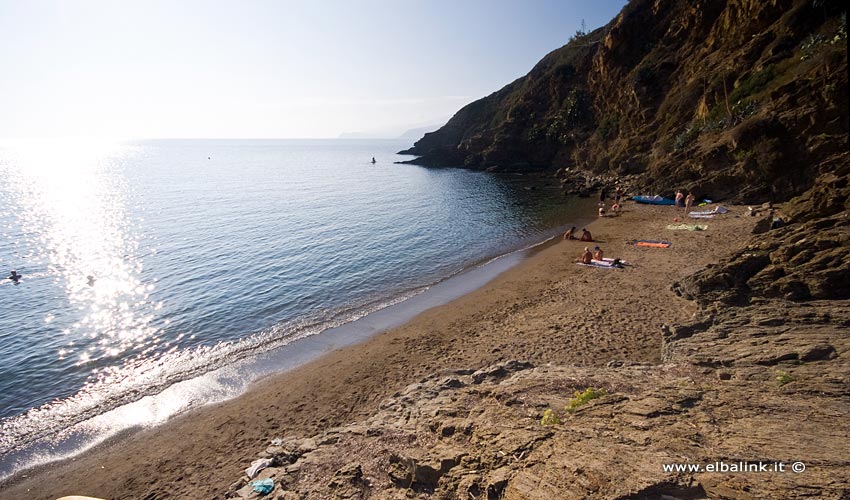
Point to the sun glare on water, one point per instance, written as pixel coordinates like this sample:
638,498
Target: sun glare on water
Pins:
70,202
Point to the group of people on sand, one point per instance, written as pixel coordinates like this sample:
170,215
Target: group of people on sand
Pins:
587,257
615,207
684,201
585,235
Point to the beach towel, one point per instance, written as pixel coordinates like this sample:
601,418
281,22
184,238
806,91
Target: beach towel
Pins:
693,215
651,243
610,260
688,227
597,264
714,211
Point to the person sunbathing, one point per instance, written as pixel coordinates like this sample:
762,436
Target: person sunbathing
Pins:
585,235
569,235
598,254
586,257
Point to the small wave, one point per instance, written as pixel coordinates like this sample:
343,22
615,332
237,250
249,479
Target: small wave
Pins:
55,422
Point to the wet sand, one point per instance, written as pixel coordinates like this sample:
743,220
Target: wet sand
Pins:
548,309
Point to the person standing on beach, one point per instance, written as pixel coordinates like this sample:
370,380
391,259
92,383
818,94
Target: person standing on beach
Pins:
602,196
679,197
689,201
618,194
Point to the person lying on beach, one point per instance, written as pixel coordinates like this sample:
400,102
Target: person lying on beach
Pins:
569,234
586,257
602,211
585,235
598,254
615,208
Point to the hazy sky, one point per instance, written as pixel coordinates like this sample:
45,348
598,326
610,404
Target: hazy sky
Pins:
142,69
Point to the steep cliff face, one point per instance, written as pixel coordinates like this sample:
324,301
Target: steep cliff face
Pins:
738,99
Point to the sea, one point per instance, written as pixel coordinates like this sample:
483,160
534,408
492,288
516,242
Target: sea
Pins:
162,275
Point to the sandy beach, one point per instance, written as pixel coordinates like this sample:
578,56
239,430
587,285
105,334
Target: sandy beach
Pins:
548,309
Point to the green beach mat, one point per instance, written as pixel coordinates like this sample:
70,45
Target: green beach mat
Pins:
688,227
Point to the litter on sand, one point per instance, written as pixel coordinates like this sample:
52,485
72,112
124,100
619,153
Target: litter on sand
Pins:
263,486
257,466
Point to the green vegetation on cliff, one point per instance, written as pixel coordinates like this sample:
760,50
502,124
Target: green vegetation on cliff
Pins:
736,99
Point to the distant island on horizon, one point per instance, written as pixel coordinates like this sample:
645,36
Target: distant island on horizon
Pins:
410,134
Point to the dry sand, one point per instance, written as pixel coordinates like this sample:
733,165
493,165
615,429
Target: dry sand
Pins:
546,310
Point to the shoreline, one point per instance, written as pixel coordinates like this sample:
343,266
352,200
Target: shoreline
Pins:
348,384
224,383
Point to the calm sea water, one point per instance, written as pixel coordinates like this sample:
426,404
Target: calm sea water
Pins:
147,263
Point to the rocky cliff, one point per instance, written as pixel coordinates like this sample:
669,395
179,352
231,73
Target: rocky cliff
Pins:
738,99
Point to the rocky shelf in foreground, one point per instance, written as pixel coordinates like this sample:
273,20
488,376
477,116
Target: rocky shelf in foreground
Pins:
766,382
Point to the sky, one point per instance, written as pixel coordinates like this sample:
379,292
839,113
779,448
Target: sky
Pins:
266,69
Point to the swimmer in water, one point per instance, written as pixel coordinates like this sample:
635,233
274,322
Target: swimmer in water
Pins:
14,276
